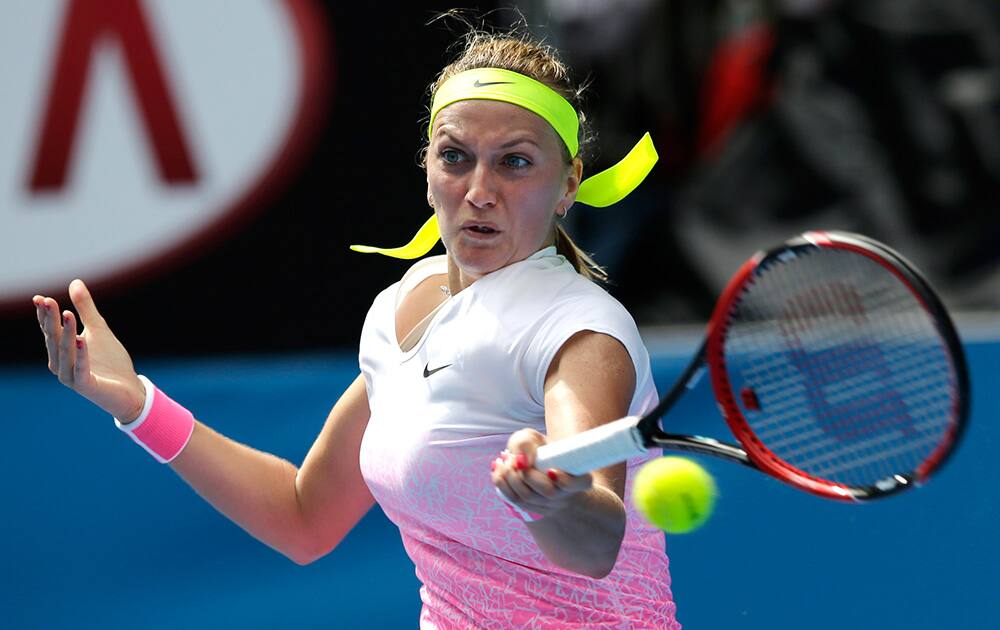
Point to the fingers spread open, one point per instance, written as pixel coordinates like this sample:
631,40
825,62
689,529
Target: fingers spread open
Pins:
84,303
39,303
51,326
82,366
67,348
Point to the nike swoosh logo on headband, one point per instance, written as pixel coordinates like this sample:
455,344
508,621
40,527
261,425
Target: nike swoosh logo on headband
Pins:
479,83
438,369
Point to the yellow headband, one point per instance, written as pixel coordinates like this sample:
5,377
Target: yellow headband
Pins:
494,84
603,189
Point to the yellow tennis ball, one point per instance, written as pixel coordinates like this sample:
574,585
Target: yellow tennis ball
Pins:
674,493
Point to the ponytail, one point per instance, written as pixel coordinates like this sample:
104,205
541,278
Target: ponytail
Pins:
581,261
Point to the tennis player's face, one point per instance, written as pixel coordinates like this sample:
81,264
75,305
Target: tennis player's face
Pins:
496,175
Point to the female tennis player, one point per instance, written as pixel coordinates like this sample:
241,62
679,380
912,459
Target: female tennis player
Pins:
468,363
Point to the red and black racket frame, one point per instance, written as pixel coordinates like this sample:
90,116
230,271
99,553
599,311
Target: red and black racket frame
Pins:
754,453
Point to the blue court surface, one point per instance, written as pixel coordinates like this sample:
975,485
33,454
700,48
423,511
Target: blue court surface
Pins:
95,534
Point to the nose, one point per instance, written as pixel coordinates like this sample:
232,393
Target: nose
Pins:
482,192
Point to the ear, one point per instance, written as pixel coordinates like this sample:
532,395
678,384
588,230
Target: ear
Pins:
574,175
430,198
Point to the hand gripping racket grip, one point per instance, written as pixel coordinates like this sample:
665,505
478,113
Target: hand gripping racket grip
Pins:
607,444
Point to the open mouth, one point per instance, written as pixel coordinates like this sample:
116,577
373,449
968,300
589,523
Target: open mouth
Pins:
482,229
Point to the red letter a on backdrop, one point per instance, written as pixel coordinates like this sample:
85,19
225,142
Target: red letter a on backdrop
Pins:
86,22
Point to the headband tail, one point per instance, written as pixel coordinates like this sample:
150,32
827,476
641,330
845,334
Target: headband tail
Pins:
601,190
614,184
424,240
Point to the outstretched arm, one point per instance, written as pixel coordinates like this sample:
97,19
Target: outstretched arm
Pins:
301,512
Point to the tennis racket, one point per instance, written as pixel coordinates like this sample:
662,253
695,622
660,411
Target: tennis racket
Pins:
835,366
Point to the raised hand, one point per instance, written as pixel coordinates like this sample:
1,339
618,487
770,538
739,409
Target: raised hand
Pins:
93,363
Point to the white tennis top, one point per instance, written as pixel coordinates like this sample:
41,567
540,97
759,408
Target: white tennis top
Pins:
440,413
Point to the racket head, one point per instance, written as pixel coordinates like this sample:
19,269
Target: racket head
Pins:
837,367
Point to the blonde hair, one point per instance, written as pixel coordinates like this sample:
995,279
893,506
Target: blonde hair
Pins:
519,53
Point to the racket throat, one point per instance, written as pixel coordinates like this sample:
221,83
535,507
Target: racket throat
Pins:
702,446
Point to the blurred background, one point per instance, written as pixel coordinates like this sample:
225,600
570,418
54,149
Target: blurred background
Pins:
205,165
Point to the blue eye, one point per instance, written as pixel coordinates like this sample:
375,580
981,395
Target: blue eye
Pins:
451,156
516,161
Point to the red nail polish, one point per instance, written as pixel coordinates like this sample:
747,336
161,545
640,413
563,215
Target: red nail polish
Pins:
503,455
521,461
493,465
552,474
79,343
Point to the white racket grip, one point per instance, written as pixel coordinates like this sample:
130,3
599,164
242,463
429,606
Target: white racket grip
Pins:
607,444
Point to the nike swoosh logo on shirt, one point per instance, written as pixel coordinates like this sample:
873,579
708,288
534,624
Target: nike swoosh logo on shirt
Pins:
428,372
479,83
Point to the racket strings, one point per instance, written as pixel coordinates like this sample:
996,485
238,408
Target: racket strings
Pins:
850,379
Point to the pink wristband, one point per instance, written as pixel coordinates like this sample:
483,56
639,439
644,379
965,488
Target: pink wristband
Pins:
524,515
163,428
